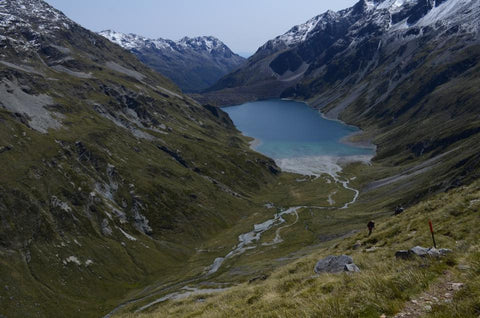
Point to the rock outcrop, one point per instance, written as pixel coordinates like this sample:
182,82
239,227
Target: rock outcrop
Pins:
336,264
422,252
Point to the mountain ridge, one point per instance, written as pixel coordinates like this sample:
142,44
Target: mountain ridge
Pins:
192,63
103,161
333,32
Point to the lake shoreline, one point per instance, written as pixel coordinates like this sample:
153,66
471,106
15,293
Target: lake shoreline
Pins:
351,139
299,138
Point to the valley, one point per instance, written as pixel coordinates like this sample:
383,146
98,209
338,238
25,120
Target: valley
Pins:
122,196
262,243
323,190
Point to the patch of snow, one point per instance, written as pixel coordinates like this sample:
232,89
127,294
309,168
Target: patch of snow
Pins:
136,42
37,17
302,32
453,12
394,6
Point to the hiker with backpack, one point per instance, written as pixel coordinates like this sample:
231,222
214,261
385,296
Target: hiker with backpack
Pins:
370,226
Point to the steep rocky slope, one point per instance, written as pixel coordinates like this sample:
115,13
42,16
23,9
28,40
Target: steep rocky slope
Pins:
194,64
404,71
357,37
109,175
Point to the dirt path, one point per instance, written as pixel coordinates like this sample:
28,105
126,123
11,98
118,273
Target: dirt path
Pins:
441,291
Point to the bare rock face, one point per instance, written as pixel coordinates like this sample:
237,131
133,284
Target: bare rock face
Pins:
336,264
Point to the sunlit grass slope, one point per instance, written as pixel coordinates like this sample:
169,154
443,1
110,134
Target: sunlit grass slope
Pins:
384,285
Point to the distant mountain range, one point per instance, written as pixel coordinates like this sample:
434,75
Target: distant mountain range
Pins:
345,47
194,64
405,71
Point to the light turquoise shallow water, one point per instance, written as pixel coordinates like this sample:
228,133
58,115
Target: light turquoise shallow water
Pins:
289,129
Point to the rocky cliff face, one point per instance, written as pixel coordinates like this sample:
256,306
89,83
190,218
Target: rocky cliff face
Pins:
108,173
353,37
194,64
405,71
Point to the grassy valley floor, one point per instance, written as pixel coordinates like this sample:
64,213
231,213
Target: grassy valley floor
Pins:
386,285
319,220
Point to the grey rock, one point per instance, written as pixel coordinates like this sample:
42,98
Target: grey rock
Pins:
106,229
352,268
63,69
15,100
336,264
432,252
457,286
123,70
419,251
5,148
445,251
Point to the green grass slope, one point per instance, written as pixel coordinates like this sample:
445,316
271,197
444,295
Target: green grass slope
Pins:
110,177
385,284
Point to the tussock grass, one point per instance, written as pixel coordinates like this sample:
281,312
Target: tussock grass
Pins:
383,286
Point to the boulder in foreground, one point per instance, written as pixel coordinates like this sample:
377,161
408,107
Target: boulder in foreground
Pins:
336,264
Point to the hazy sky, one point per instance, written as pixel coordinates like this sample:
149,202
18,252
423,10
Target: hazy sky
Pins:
243,25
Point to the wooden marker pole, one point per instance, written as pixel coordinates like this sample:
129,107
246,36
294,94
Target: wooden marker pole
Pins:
433,233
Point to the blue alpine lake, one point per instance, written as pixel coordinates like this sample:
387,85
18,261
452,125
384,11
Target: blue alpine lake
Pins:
288,129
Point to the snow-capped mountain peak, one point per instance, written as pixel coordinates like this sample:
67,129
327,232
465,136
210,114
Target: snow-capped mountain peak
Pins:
37,12
192,63
208,43
133,41
301,32
23,22
386,14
